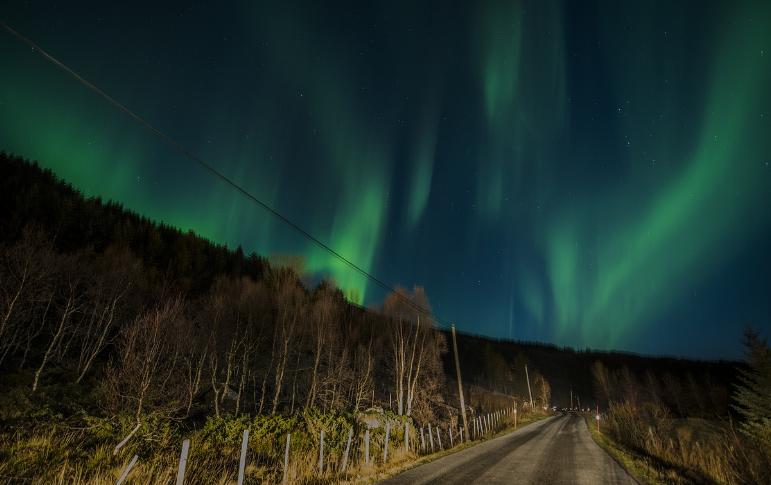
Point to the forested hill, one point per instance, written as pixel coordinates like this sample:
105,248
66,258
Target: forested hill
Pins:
498,364
305,347
31,195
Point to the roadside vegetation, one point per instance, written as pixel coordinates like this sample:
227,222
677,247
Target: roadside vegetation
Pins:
701,440
114,329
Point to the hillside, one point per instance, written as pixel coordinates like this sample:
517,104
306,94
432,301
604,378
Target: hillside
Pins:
32,196
111,318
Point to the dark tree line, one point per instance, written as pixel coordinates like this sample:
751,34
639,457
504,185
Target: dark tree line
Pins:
498,365
242,345
32,196
151,321
147,319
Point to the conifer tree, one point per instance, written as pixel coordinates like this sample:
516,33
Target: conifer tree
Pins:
753,396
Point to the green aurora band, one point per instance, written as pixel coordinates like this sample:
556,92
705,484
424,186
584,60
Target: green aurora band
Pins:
585,172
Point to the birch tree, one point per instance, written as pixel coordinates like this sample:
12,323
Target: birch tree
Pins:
415,346
145,374
67,302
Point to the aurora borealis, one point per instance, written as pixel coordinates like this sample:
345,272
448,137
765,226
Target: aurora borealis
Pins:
583,173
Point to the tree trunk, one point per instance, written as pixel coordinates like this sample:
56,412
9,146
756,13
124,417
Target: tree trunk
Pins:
12,304
55,339
100,341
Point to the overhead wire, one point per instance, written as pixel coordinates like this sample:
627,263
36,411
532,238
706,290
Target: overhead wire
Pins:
211,169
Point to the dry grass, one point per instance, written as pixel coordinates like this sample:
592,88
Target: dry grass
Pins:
657,448
63,455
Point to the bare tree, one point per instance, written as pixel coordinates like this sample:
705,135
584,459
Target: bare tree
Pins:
26,286
321,315
194,362
289,298
362,377
630,386
145,370
69,303
414,345
601,381
114,273
543,389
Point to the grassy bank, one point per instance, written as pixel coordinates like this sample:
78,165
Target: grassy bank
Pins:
80,451
659,449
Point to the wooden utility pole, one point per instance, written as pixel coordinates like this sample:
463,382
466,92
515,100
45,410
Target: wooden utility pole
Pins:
532,408
460,382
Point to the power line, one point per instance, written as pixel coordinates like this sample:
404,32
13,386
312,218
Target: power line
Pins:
208,167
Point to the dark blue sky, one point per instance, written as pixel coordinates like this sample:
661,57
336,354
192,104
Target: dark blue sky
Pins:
583,173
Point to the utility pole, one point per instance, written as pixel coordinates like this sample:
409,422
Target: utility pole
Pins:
532,408
460,382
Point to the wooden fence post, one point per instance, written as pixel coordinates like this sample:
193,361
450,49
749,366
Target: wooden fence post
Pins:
430,437
439,438
127,470
422,441
321,453
286,459
366,446
385,447
347,449
125,440
449,430
242,461
183,462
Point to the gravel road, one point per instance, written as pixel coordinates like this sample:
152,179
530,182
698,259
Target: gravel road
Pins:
557,450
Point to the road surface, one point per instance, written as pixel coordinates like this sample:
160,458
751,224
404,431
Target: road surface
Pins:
557,450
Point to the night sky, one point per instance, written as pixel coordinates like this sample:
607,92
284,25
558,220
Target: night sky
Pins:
592,174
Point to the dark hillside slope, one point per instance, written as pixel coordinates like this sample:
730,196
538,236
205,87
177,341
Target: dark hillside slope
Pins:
32,196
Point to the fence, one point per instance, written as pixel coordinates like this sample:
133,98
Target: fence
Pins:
369,442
